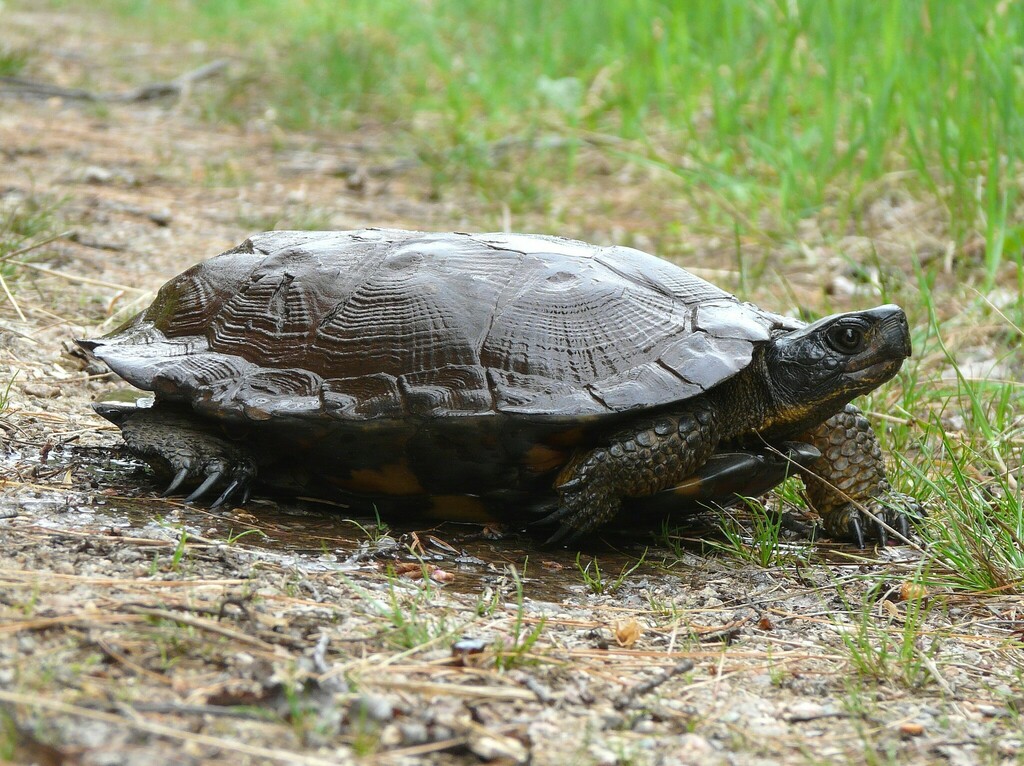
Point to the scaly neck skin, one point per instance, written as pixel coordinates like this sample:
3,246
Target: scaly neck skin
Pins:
754,411
745,400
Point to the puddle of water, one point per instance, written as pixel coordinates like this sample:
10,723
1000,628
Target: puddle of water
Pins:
311,539
104,494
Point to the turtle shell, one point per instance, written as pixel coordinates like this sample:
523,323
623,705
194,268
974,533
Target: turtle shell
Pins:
383,324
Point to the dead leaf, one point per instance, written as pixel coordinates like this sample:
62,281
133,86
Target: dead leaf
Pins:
626,633
912,591
439,575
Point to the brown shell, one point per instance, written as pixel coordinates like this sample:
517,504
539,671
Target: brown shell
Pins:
370,324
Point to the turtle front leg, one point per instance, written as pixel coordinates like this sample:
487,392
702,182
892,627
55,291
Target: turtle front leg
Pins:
179,449
848,485
658,453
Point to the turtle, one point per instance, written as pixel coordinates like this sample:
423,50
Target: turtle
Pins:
524,377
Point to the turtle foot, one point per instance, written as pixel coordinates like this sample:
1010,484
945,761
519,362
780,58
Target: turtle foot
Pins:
877,520
584,505
197,460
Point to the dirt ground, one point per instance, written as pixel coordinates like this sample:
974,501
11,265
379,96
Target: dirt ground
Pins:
135,630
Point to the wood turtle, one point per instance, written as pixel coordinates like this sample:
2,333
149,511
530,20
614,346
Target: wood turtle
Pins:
446,372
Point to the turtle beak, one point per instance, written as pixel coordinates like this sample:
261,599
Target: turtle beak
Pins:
893,327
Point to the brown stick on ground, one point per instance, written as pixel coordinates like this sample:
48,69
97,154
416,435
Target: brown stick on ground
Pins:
176,87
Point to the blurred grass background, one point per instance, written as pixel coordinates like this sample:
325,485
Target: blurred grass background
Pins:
778,107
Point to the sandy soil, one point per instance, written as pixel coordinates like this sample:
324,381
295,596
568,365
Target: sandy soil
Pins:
139,631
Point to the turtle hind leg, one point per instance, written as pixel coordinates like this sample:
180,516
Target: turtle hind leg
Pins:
848,485
636,462
176,446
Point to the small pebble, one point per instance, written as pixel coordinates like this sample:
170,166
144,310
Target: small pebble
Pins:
644,726
373,707
414,733
41,390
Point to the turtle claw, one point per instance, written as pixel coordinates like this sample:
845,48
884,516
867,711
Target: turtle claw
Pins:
571,484
201,490
565,535
177,481
883,534
228,491
579,512
855,530
554,517
886,516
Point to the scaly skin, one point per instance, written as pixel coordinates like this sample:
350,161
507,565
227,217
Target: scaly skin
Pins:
848,486
175,446
655,454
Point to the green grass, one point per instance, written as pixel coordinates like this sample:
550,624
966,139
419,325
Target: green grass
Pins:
517,649
598,582
760,544
893,650
794,109
23,221
5,392
12,61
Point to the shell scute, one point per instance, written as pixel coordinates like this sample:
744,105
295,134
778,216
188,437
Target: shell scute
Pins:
706,360
632,389
363,397
453,388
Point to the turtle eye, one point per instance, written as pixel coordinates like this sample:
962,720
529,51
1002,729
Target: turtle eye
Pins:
846,339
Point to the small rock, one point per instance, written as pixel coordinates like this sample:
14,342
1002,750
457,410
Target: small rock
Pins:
356,180
644,726
466,646
840,285
94,174
627,633
695,749
160,217
414,733
1007,747
41,390
373,707
491,748
602,756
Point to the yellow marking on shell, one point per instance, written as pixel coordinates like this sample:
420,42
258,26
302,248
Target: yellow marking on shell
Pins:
571,437
459,508
389,479
541,458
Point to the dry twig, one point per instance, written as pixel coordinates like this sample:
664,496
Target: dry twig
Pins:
177,87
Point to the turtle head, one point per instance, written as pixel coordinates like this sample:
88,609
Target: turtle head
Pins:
814,371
